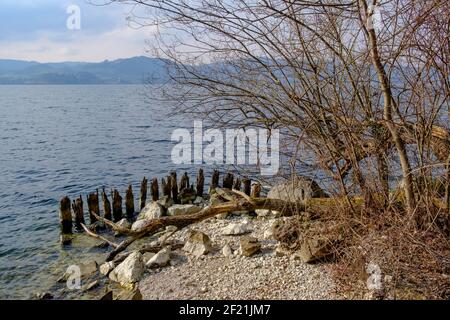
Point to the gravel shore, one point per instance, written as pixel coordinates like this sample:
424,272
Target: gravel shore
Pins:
265,275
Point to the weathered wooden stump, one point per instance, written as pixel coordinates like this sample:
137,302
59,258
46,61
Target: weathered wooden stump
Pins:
129,202
200,183
117,206
143,194
228,180
154,189
184,182
166,187
77,207
237,184
256,190
214,180
247,184
93,206
174,186
106,205
65,216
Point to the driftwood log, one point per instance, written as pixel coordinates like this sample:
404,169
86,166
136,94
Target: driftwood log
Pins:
242,202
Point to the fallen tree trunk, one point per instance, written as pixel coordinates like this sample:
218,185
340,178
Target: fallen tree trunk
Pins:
242,203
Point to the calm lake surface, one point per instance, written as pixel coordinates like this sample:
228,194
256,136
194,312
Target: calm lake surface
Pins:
69,140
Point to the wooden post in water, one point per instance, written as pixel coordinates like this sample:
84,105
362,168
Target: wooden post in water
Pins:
77,207
247,183
143,194
256,190
154,189
200,182
184,182
65,215
106,205
117,206
214,180
228,180
129,202
174,186
237,184
166,187
93,206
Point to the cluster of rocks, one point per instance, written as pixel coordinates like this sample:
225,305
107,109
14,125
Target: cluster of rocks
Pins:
235,237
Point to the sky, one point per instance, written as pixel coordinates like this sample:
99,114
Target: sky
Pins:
36,30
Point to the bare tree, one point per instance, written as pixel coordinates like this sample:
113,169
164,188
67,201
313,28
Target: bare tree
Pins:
354,84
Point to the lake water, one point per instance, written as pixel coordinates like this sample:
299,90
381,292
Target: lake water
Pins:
69,140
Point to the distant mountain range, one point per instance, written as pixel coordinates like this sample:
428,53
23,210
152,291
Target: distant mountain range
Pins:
136,70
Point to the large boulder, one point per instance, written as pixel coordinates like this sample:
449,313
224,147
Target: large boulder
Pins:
152,210
198,244
300,189
249,246
129,271
182,209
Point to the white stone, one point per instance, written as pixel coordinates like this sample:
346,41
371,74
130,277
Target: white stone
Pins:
107,267
139,224
161,259
152,210
235,229
129,271
227,251
181,209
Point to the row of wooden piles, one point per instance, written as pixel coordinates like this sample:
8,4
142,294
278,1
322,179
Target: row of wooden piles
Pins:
72,212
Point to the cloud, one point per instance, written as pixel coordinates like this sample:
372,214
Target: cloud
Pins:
36,30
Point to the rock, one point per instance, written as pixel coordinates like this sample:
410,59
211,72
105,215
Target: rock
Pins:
129,271
198,244
315,248
140,224
107,296
249,246
124,223
147,256
44,296
130,295
182,209
268,234
227,251
166,202
90,285
152,210
299,190
161,259
107,267
235,229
